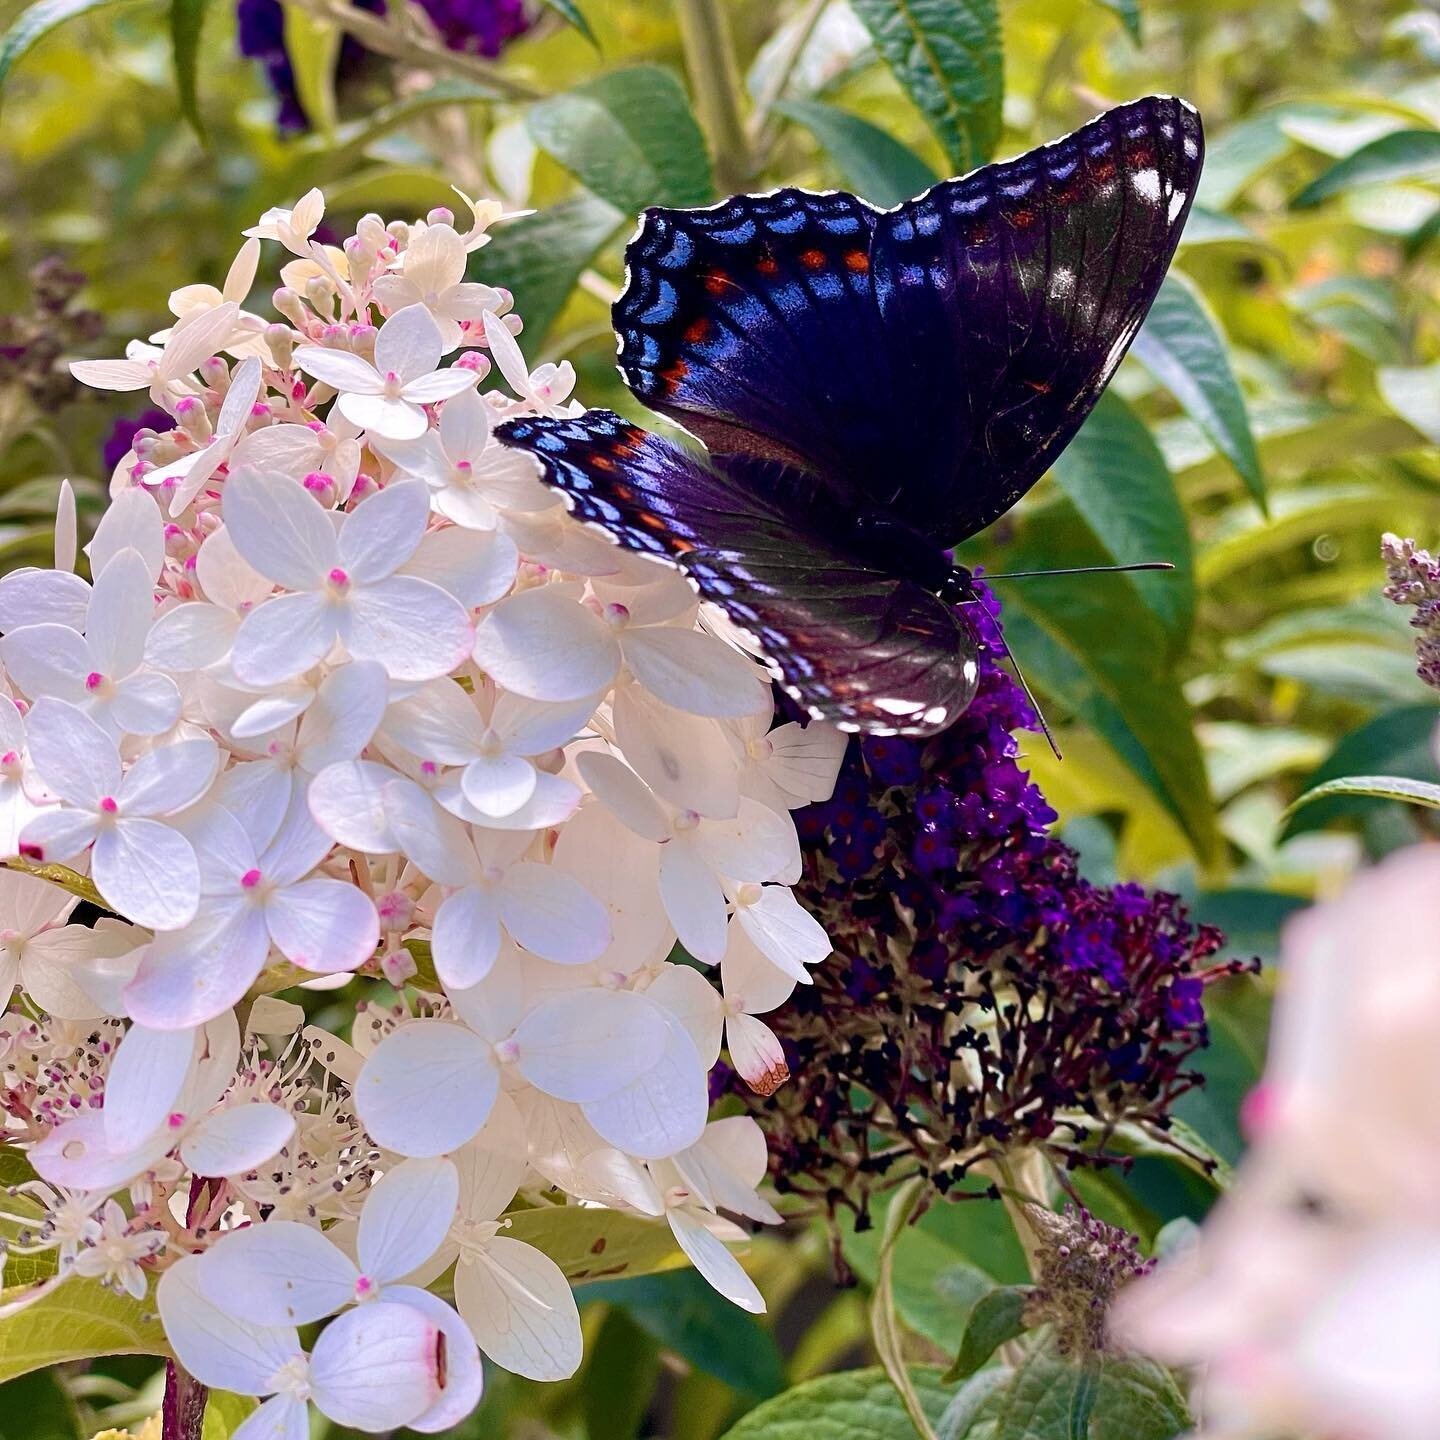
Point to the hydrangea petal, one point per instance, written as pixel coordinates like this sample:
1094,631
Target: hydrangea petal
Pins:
377,1367
279,1273
427,1088
406,1216
520,1309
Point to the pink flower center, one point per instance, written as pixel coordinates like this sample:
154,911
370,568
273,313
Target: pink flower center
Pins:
94,680
363,1287
109,806
175,1119
317,480
250,879
339,579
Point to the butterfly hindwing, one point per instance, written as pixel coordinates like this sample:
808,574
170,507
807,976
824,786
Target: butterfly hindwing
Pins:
932,360
855,645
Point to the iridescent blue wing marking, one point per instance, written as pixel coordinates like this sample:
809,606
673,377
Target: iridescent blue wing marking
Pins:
1010,296
754,325
932,360
855,645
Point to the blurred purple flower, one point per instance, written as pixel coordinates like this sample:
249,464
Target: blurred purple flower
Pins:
125,429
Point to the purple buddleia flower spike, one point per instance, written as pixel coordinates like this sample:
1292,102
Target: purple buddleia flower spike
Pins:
984,996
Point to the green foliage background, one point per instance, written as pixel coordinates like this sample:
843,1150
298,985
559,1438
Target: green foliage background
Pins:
1279,413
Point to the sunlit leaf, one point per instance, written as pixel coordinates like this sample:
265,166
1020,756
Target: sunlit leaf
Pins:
630,137
225,1413
1404,155
594,1244
1414,392
872,163
1399,743
1182,347
77,1320
313,47
946,54
36,22
1377,787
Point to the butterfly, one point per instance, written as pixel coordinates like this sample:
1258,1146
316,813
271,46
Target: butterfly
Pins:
872,387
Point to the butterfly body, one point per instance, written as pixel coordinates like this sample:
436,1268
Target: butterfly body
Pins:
872,388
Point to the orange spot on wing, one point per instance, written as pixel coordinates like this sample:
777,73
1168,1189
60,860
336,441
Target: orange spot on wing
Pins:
1042,386
857,261
812,259
717,281
624,492
680,547
674,373
767,264
603,462
697,330
651,521
1022,219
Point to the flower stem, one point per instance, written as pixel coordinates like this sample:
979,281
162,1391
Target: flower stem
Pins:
182,1416
884,1323
710,62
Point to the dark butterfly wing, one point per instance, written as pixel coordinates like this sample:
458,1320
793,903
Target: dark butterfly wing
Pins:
754,324
931,360
1010,296
852,644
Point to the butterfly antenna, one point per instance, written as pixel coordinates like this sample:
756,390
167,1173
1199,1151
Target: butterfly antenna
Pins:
1029,693
1081,570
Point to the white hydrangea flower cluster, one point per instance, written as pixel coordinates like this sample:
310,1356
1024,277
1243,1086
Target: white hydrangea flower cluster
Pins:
351,695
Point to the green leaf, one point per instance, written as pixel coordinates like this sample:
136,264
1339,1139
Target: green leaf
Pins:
1181,346
871,162
595,1244
1045,1397
1214,227
573,16
357,136
1413,392
936,1273
35,23
1404,155
77,1320
621,1367
1395,743
224,1414
1128,13
1089,646
947,56
853,1405
994,1318
37,1407
1116,477
1377,787
314,48
1237,155
187,20
963,1410
685,1314
540,257
629,137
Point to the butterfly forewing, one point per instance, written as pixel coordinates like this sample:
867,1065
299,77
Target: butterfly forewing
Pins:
854,645
930,361
1009,297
